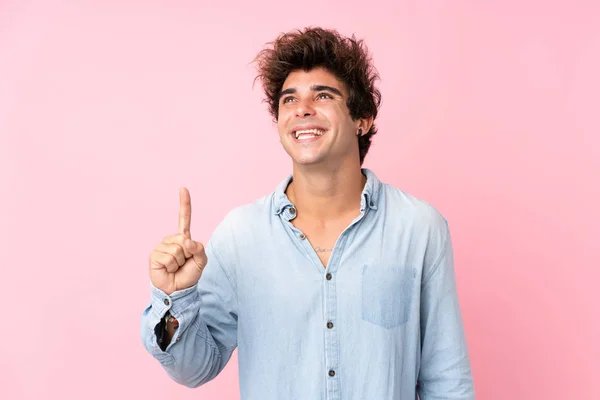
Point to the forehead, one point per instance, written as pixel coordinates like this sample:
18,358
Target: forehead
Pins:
303,80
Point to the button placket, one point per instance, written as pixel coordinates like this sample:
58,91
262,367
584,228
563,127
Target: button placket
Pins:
331,339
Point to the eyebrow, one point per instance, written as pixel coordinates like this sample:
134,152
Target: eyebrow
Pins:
314,88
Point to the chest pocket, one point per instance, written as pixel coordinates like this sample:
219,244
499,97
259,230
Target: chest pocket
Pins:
388,292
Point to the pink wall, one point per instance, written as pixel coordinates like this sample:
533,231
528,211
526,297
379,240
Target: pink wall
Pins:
490,112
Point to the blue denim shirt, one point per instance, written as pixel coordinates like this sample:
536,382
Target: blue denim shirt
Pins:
382,321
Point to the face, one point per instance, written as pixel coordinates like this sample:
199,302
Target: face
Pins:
314,122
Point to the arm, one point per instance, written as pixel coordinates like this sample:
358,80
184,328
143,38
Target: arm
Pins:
207,333
445,371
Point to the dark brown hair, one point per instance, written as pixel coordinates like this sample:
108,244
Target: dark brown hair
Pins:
345,57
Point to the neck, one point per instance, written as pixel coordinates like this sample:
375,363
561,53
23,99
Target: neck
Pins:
326,193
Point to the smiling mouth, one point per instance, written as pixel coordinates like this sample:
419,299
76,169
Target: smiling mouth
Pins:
304,134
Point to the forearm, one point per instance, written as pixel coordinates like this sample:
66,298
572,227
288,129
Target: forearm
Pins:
165,330
189,354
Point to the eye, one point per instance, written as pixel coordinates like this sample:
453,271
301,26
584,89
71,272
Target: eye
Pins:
324,96
287,99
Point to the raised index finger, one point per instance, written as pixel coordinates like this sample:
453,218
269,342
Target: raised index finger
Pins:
185,211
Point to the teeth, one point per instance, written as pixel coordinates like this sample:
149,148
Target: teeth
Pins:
316,132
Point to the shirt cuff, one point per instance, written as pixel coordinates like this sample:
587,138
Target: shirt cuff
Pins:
176,302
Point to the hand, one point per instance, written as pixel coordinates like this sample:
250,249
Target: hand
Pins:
178,261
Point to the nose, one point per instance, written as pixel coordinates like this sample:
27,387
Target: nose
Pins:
304,109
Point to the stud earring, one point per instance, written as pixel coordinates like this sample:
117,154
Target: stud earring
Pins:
359,132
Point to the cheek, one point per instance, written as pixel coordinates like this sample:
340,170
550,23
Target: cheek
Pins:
282,117
336,113
342,120
280,124
287,119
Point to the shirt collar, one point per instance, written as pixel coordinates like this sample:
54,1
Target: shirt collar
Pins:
369,196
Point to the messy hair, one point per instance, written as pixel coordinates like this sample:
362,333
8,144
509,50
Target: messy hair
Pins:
347,58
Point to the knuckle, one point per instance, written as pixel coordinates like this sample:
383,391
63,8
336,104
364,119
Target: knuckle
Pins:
154,262
154,256
178,252
171,265
177,257
166,259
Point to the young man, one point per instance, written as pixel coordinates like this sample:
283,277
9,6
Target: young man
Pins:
334,286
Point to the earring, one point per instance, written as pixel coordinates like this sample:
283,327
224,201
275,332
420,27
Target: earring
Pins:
359,132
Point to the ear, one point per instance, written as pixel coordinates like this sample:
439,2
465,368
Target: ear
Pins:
365,124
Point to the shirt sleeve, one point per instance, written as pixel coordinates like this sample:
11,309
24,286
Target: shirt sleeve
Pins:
445,370
207,333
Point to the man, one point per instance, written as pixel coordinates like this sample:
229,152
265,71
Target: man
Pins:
334,286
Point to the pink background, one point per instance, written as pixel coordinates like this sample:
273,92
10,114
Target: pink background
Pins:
490,112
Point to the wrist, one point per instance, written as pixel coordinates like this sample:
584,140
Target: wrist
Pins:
171,323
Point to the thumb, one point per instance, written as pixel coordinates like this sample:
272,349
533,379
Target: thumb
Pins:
197,250
190,245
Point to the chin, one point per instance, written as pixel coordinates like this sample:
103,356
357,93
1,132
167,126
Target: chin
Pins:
304,161
304,158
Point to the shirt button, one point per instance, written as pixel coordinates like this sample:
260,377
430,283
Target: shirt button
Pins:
328,277
330,325
178,338
301,236
331,372
293,210
371,204
166,302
